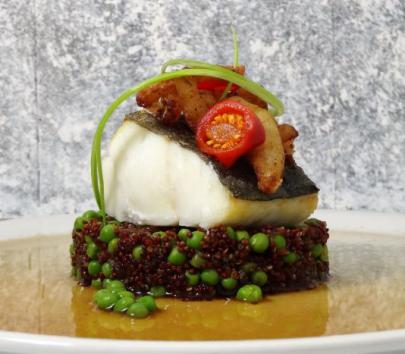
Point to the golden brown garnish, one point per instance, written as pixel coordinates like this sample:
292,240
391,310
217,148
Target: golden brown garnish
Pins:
172,99
288,134
267,159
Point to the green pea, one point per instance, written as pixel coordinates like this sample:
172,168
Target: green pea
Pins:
107,269
92,250
176,257
325,254
107,233
231,233
79,224
242,235
210,276
91,214
138,310
116,286
106,283
78,274
250,293
197,261
279,242
148,301
88,239
72,249
137,253
105,299
196,239
259,242
157,291
125,293
229,283
249,267
123,304
290,258
192,278
159,234
96,283
113,245
317,250
183,234
94,267
259,278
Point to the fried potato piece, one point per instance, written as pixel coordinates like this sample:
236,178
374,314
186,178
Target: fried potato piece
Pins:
288,134
268,159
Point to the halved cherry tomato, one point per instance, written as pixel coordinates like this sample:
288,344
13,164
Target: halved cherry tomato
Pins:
212,84
228,131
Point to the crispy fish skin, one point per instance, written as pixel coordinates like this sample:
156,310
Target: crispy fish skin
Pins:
240,179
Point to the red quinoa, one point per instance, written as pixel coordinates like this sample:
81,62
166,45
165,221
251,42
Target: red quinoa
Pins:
221,252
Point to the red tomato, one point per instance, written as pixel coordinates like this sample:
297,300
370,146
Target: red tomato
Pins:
228,131
214,84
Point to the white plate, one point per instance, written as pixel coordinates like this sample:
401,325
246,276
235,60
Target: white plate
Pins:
374,342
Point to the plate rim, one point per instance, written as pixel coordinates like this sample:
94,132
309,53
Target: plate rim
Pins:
369,342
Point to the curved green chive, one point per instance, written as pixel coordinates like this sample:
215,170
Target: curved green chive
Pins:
279,241
125,293
229,283
312,222
183,234
249,267
106,283
94,267
79,223
96,283
231,233
137,253
210,277
91,214
290,258
113,245
325,254
107,269
123,304
176,257
192,279
197,261
157,291
250,293
92,250
159,234
116,286
73,272
317,250
196,239
138,310
259,242
105,299
148,301
259,278
107,233
242,235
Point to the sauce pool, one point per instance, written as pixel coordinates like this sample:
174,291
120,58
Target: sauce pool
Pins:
365,293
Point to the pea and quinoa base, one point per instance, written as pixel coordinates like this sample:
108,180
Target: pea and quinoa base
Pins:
197,264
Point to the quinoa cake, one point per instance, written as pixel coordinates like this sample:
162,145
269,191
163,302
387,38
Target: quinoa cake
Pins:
199,196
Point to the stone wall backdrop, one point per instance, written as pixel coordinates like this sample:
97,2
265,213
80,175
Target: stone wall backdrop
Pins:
339,67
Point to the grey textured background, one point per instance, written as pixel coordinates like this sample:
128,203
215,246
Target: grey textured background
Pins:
339,67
